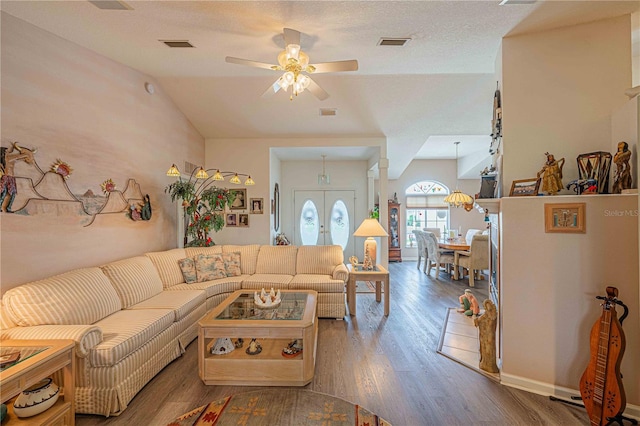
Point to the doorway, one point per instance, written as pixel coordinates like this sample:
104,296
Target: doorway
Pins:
324,217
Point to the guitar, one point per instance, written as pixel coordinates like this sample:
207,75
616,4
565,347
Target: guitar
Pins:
601,383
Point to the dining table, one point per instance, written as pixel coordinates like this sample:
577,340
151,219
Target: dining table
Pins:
459,243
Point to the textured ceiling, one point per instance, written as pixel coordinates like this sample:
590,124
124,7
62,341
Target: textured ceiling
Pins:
421,97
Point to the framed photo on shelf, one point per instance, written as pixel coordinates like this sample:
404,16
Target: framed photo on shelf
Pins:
524,187
231,219
243,219
240,202
565,218
256,205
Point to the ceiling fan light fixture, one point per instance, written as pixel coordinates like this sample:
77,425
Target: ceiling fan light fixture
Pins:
293,50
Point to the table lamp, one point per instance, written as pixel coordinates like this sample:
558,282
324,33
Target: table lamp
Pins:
370,228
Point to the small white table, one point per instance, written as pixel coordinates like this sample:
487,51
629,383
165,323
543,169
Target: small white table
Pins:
379,275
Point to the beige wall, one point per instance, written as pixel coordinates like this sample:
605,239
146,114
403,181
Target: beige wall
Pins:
549,284
94,114
254,156
560,88
443,171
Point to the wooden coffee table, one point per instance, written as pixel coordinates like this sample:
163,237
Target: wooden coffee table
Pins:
238,317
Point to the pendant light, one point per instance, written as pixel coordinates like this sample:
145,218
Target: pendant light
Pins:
457,198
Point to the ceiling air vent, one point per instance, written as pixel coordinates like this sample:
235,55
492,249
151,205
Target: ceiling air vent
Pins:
388,41
177,43
110,5
328,112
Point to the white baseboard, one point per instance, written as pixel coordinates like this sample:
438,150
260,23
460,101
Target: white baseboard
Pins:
560,392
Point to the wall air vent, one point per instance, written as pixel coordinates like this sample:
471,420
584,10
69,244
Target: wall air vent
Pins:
328,112
110,5
177,43
388,41
507,2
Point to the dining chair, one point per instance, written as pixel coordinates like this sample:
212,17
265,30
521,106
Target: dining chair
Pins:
422,249
476,259
471,232
435,256
434,230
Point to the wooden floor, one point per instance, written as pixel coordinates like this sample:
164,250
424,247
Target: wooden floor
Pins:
388,365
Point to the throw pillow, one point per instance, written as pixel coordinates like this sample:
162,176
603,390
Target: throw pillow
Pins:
210,267
232,263
188,268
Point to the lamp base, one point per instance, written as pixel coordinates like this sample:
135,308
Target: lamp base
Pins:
371,249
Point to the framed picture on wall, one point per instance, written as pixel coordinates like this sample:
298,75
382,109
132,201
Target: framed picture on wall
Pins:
231,219
565,218
243,219
240,202
524,187
256,205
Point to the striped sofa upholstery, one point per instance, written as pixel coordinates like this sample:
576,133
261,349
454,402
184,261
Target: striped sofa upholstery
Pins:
131,317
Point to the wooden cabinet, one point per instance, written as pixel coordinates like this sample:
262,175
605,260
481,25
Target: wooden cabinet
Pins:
395,252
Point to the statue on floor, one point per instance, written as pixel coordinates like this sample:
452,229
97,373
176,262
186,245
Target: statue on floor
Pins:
487,330
469,304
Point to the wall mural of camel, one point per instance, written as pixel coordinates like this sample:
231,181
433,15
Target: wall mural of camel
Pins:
49,192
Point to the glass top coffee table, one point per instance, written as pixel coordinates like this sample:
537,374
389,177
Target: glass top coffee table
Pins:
241,343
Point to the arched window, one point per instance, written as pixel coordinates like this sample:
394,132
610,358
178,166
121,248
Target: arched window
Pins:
425,208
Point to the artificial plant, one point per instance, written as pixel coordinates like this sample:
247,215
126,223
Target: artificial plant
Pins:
203,209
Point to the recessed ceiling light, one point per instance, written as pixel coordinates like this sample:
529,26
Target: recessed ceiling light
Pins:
177,43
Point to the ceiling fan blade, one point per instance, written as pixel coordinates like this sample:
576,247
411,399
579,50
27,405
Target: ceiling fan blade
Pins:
249,63
273,89
291,37
317,91
337,66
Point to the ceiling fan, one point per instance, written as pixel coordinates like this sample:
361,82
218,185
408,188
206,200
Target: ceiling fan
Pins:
295,64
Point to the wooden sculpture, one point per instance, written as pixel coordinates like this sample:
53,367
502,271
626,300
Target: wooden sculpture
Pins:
487,324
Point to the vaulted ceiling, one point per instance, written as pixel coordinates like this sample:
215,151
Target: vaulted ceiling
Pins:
422,97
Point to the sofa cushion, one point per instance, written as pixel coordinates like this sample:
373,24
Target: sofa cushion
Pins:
215,287
81,296
232,264
194,251
210,267
188,268
277,260
126,331
135,279
266,281
318,259
166,262
248,256
319,283
181,302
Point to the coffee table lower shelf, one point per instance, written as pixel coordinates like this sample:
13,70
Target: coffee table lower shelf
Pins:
268,368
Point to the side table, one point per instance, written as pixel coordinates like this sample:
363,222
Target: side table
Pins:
41,359
379,275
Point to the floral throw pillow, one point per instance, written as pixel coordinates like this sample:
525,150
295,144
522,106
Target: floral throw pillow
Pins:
232,264
209,267
188,268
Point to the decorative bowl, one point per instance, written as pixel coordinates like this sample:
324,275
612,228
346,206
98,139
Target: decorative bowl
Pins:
36,399
268,300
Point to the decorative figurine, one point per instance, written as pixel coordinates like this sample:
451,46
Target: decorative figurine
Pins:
223,345
354,261
487,330
552,174
254,348
622,176
293,349
469,304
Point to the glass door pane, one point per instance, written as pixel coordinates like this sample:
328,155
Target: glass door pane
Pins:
309,224
339,226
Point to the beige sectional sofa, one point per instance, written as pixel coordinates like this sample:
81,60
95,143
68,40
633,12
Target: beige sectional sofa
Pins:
130,318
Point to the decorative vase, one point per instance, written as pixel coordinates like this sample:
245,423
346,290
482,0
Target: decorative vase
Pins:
36,399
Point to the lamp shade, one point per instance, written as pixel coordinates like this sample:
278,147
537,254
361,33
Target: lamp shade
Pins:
457,199
370,228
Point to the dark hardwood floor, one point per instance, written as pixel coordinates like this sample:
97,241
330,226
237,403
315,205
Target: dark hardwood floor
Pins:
387,364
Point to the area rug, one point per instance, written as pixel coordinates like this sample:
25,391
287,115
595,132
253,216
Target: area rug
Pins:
365,287
280,407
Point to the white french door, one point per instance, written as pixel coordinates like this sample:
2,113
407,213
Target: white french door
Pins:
324,218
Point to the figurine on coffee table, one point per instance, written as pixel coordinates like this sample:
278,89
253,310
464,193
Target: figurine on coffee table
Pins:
469,304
